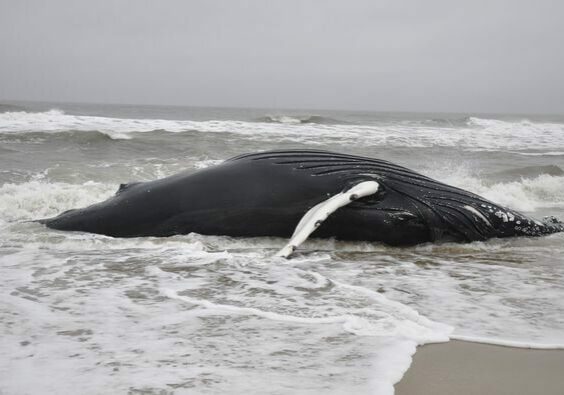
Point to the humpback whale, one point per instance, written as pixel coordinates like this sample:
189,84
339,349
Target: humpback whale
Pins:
297,193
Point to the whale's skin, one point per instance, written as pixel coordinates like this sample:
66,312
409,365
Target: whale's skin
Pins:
267,193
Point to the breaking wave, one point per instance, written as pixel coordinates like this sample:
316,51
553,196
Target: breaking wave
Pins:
477,134
530,192
36,199
301,119
527,172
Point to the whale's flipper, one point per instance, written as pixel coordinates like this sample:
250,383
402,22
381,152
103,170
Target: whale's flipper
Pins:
320,212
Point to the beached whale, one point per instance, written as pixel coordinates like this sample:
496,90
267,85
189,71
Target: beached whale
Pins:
299,192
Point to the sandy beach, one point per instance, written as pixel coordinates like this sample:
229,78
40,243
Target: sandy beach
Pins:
466,368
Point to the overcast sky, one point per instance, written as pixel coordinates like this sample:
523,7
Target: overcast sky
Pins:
458,56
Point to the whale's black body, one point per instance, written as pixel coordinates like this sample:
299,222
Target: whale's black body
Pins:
266,194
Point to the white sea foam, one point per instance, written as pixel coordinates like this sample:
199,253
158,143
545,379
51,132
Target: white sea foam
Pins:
396,327
509,343
39,199
477,134
207,163
285,119
99,322
526,194
505,292
544,153
420,329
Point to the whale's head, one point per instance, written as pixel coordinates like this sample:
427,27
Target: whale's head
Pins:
408,207
412,202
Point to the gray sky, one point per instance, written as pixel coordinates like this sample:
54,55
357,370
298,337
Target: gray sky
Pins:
474,55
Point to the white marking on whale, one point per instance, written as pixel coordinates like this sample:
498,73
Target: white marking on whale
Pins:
502,215
478,214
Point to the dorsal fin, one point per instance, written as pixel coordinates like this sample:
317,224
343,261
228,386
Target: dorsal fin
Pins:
123,187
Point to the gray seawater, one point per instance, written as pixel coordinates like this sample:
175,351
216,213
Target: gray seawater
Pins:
212,314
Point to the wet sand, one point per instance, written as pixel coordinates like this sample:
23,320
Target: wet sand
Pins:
467,368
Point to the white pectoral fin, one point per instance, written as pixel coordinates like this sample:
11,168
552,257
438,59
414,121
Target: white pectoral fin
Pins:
320,212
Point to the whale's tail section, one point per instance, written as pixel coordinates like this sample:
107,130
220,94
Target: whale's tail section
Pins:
73,220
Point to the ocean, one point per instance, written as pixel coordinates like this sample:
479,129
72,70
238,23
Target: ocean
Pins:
199,314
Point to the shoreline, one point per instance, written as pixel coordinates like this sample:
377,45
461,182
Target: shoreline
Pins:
465,368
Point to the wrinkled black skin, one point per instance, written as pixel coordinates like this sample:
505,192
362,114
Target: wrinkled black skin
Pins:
266,194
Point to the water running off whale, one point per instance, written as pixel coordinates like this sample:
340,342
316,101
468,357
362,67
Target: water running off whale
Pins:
300,192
